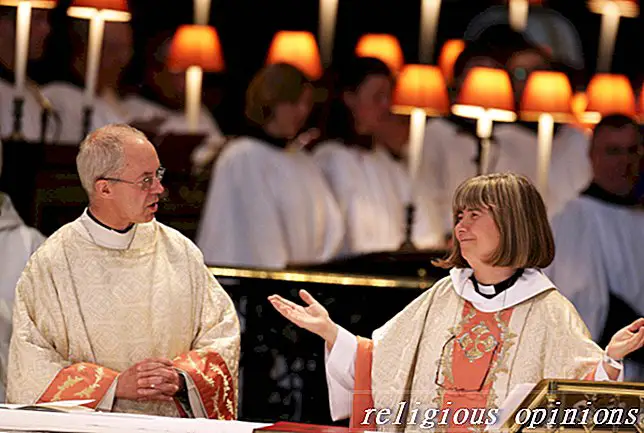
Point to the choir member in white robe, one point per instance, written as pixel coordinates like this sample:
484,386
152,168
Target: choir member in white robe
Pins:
120,309
451,152
17,243
494,323
162,93
32,109
67,94
268,204
372,187
599,237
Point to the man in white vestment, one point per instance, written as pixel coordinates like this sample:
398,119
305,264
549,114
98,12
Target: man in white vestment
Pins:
599,237
31,125
120,309
17,243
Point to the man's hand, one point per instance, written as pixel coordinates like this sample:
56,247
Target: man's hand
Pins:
151,379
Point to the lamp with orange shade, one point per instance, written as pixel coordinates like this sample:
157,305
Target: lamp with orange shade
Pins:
384,47
518,13
297,48
97,11
449,54
195,49
486,95
611,12
547,99
23,25
420,91
608,94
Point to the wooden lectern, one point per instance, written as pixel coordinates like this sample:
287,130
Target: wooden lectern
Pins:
557,406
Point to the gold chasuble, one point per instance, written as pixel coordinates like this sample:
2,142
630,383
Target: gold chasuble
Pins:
454,349
92,302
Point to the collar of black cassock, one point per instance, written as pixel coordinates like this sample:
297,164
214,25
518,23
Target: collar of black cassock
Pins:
499,287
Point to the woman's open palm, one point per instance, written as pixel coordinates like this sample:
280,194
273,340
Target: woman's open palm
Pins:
314,317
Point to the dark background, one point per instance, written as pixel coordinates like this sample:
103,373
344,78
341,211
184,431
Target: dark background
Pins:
246,28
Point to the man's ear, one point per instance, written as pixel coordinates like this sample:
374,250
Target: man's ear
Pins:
349,99
102,188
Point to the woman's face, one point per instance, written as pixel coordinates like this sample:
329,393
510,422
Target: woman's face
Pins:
290,117
370,104
477,234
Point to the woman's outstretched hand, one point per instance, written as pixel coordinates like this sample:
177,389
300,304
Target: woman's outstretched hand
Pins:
313,318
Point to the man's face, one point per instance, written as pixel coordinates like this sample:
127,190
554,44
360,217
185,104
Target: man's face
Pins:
615,156
133,203
40,29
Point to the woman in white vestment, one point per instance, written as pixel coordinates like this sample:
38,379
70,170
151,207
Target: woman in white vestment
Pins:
494,324
268,204
369,181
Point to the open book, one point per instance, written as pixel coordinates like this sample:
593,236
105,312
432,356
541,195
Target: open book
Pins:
54,406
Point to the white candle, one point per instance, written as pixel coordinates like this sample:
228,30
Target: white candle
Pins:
428,26
608,35
23,23
416,140
96,29
546,128
202,12
484,132
194,76
519,10
326,32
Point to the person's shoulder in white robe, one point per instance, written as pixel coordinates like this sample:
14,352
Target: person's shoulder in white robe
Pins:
68,100
31,113
267,207
17,243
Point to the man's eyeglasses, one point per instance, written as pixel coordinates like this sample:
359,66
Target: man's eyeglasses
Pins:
145,184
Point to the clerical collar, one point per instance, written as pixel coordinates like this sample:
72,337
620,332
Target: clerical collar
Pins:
530,283
260,134
105,236
125,230
490,291
599,193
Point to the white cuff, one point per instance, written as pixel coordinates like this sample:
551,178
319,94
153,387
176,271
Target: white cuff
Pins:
107,402
340,373
197,406
602,376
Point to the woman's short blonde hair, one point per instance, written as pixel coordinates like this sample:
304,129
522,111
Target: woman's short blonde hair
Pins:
275,84
519,212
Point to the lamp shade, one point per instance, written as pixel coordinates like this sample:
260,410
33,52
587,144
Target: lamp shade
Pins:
195,45
421,86
112,10
297,49
625,8
449,53
37,4
609,94
383,47
547,92
486,92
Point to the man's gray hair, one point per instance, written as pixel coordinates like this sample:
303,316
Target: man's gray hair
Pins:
101,153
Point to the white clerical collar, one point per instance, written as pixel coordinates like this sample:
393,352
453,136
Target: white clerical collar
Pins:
531,283
105,237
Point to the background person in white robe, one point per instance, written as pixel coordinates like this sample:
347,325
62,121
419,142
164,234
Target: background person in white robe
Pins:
159,101
17,243
120,309
494,323
66,92
452,151
268,204
600,237
32,108
372,185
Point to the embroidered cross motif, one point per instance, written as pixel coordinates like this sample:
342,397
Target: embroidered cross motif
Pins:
477,342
